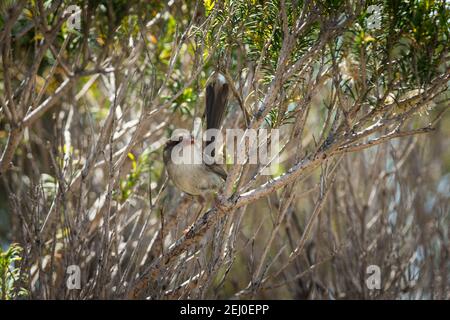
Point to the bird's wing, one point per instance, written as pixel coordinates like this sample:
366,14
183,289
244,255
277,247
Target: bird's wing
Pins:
218,169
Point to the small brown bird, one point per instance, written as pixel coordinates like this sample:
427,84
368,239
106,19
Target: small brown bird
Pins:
200,179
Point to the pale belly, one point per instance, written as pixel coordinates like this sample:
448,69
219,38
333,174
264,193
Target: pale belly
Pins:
194,179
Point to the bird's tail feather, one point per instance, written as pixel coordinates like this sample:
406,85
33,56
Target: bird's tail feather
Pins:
216,102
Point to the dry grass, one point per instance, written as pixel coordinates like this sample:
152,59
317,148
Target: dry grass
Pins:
364,179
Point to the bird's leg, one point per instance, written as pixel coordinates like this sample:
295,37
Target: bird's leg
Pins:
201,201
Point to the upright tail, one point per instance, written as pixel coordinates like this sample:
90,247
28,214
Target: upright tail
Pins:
216,102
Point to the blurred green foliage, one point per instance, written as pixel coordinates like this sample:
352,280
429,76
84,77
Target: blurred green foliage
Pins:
10,274
407,50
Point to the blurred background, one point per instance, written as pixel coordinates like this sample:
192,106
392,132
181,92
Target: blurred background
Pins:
87,185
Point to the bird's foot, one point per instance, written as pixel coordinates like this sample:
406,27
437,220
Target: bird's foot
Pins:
219,204
186,231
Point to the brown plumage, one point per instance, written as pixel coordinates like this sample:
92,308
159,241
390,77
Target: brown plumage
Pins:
200,179
216,102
